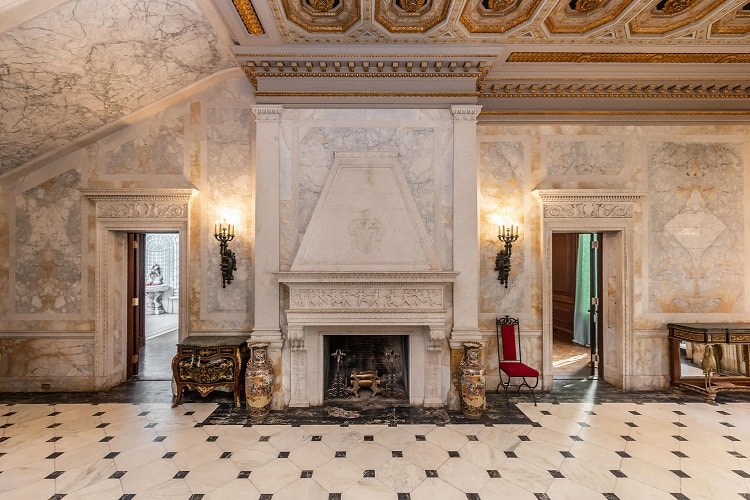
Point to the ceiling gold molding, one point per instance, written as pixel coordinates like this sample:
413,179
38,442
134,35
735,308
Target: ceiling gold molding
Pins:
679,13
628,57
393,17
366,94
645,112
588,15
249,17
490,89
478,19
734,23
341,15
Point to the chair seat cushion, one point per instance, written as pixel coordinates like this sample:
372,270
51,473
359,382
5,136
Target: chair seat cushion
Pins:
518,369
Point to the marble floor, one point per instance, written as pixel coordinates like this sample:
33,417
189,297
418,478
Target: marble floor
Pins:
584,440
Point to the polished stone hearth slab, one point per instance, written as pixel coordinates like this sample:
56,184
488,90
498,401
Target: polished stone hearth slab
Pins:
368,413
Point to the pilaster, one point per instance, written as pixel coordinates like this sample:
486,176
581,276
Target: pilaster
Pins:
267,165
465,225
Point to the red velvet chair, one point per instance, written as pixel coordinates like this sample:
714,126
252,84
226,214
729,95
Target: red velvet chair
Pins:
509,337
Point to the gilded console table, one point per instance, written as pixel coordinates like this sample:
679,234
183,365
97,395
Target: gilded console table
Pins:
714,341
205,363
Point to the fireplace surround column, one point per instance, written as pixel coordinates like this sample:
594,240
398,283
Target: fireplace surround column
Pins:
266,288
298,367
465,225
465,234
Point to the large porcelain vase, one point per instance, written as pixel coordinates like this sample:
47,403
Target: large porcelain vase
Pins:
259,381
472,378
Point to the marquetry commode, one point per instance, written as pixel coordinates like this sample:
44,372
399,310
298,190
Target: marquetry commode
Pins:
724,353
208,363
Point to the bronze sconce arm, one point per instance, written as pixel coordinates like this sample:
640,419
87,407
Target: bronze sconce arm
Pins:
224,233
502,261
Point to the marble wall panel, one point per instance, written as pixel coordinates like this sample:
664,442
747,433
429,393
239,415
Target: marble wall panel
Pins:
503,164
696,229
46,360
157,152
229,178
48,260
597,156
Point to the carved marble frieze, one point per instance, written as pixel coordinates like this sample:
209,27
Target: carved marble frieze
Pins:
145,204
582,204
370,298
367,293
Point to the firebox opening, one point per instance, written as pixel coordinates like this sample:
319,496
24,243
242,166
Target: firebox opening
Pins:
366,367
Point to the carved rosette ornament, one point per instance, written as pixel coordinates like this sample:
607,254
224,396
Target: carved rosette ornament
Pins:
672,7
322,5
586,6
500,5
411,5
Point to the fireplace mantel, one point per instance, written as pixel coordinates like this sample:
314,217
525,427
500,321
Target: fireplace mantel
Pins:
417,303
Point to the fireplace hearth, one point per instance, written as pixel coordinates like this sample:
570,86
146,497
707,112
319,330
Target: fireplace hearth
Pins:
360,367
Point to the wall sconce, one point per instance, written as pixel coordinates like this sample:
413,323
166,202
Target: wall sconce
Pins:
502,261
224,233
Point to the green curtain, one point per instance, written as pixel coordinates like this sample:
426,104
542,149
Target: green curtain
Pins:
581,316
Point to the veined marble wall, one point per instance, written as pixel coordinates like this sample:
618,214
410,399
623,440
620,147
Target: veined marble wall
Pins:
422,139
689,250
696,241
48,240
689,247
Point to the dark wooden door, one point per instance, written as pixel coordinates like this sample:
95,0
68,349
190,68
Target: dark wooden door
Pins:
564,261
136,289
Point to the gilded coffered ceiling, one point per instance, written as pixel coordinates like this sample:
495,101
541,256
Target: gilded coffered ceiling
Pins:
71,70
511,56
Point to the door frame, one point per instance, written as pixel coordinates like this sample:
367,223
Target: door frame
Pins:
600,211
118,213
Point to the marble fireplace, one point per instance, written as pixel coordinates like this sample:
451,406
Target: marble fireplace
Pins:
416,305
367,265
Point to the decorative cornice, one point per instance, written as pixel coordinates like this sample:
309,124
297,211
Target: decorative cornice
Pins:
258,66
718,89
249,17
579,195
136,194
629,57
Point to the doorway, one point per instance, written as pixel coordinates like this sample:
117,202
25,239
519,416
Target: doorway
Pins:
612,214
153,285
576,286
